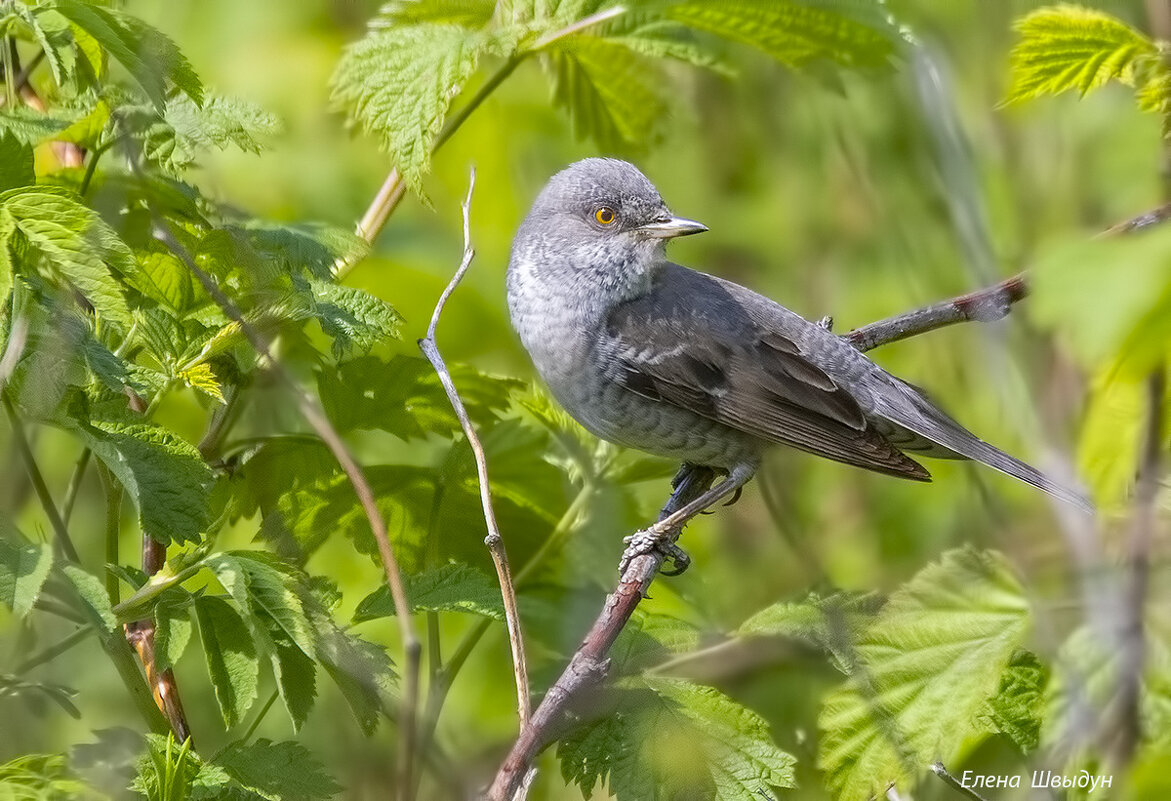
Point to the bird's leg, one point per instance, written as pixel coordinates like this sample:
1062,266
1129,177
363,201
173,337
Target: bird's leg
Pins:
661,536
827,323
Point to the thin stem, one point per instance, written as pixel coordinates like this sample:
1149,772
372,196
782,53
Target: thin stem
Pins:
7,48
53,651
90,168
113,530
75,484
256,721
494,540
939,770
34,473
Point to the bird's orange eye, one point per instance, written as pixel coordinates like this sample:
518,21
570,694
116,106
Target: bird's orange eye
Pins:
605,215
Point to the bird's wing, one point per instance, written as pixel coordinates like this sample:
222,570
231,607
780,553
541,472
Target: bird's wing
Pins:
690,343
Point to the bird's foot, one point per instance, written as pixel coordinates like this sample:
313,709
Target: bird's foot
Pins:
651,540
827,323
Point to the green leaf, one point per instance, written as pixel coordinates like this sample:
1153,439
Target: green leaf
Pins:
231,656
163,278
1066,47
354,318
313,247
923,672
35,693
16,163
174,138
470,13
51,32
165,475
606,752
31,126
1018,705
166,771
68,240
360,669
296,673
453,587
262,585
613,95
832,623
404,397
150,57
265,770
398,84
92,594
23,570
173,627
799,32
42,776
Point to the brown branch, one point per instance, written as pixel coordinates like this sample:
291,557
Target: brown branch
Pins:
589,665
313,413
494,541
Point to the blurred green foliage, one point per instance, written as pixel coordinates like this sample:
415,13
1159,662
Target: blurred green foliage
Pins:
839,631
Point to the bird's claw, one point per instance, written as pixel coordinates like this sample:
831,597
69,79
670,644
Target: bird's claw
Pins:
827,323
649,541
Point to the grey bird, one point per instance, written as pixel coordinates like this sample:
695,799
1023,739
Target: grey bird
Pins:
654,356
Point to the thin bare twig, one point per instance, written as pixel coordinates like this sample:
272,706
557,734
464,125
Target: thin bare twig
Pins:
939,770
494,541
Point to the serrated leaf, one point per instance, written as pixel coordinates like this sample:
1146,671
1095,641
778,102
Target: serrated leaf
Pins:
312,247
51,32
612,95
150,57
16,163
202,378
31,126
454,587
404,397
360,669
23,570
164,475
263,586
296,673
267,770
1018,705
173,628
92,593
354,318
832,623
1067,47
923,672
42,776
231,656
606,752
164,279
72,241
799,32
398,84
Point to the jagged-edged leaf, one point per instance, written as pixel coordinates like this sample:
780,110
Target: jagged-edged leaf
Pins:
42,776
173,627
360,669
798,32
51,32
454,587
398,84
1066,47
314,247
221,122
23,570
92,594
35,693
612,94
470,13
67,240
922,674
353,317
264,586
648,34
231,657
16,163
1018,705
150,57
202,378
31,126
164,475
832,623
264,770
404,397
296,673
681,737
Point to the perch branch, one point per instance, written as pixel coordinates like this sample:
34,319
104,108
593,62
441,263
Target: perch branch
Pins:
951,781
587,667
494,541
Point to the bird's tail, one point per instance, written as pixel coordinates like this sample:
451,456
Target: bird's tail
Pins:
926,419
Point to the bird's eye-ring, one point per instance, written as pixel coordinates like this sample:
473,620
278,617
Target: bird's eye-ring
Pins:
605,215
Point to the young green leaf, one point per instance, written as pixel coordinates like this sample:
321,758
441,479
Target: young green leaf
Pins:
92,594
165,475
37,776
922,674
354,318
16,163
68,240
23,570
173,627
1018,705
398,84
150,57
1066,47
231,656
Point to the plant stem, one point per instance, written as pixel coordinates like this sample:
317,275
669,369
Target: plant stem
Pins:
38,481
75,484
256,721
113,530
54,651
136,605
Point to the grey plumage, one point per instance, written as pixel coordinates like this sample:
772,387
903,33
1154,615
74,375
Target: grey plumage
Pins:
655,356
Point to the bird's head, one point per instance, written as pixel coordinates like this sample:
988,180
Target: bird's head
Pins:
604,216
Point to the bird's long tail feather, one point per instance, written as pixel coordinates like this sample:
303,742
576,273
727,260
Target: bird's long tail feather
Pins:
928,420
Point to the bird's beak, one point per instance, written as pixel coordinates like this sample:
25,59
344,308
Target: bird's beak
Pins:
672,227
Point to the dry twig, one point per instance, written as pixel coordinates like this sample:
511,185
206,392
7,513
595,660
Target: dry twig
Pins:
494,541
